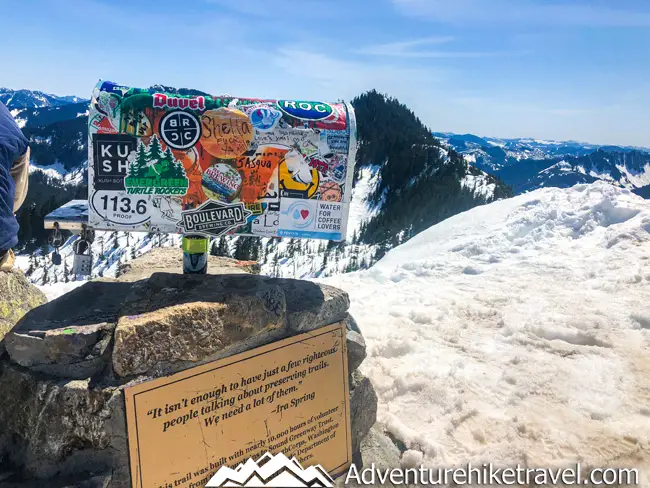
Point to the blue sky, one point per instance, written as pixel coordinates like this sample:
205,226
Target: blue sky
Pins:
554,69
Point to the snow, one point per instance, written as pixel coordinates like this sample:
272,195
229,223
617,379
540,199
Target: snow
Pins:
518,331
58,172
479,185
308,260
360,211
53,291
470,158
109,250
636,179
15,113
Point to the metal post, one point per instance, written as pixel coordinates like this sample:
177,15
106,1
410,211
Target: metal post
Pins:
195,254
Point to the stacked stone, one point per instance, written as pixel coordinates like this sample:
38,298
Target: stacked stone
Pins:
67,362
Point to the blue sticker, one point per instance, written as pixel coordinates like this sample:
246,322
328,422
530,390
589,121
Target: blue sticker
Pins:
301,109
265,119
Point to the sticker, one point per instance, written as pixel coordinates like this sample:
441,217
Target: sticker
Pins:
302,138
339,172
169,208
214,218
321,166
331,192
111,153
256,208
153,171
310,219
227,132
265,119
297,214
296,179
160,100
137,123
121,209
336,141
329,218
305,110
101,124
180,130
108,104
266,224
221,182
260,171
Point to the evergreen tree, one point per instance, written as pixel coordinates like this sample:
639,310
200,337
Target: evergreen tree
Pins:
138,167
222,247
154,151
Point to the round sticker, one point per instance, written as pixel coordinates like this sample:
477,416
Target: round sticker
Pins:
330,191
227,132
265,119
180,130
221,182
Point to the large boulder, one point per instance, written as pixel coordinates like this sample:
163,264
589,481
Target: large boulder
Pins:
194,318
62,415
17,297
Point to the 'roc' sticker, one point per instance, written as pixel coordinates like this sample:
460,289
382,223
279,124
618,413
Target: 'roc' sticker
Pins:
305,110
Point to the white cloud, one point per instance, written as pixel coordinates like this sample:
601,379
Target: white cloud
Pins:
413,49
528,12
317,72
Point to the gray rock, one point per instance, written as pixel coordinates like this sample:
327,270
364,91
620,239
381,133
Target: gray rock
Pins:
312,305
172,318
62,414
356,350
17,297
363,408
352,324
170,260
70,336
379,449
60,428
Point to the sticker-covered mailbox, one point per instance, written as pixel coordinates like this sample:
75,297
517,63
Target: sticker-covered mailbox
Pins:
190,163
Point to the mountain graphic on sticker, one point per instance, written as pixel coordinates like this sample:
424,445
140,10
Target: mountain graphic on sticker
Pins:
272,471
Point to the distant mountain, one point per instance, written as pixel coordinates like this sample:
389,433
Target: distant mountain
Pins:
528,164
420,182
408,182
39,117
34,99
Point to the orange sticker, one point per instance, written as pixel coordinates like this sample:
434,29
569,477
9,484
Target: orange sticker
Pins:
226,132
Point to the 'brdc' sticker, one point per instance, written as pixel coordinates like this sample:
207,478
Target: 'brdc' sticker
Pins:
214,218
305,110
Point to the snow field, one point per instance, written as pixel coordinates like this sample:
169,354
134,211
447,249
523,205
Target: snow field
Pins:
516,332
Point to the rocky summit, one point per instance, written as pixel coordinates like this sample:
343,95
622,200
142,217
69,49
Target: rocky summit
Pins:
67,362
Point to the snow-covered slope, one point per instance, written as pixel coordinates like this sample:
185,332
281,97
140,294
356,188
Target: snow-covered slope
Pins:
518,331
59,173
109,250
309,258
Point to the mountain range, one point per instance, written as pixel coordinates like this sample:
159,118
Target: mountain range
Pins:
528,164
407,179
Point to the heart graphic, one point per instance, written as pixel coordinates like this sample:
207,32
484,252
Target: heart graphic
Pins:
304,214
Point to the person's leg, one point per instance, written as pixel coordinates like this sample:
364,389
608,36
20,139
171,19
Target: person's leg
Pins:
7,260
20,174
